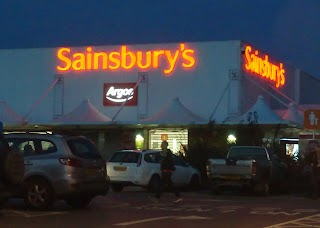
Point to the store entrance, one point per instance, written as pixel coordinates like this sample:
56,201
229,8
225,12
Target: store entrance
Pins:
177,139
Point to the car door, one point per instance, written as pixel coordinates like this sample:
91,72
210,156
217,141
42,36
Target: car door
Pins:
151,165
181,175
37,159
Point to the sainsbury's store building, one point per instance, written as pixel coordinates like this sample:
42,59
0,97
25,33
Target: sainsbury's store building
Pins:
215,80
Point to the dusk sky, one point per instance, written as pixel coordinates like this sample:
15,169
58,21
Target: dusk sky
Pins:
289,30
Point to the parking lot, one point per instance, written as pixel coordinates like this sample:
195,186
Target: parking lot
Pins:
133,208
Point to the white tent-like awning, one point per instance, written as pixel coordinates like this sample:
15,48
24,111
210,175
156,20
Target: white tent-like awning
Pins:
9,116
293,116
174,112
259,113
84,113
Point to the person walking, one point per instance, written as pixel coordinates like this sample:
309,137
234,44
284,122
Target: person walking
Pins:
167,167
312,165
182,153
315,166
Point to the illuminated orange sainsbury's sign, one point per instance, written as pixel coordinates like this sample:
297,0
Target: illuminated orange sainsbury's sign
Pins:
261,66
126,59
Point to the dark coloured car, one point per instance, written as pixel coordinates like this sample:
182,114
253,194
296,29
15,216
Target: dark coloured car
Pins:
11,171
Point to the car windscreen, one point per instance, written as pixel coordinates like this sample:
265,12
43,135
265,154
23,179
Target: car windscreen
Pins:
83,148
125,157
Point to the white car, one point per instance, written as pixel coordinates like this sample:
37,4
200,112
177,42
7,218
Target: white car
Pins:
142,168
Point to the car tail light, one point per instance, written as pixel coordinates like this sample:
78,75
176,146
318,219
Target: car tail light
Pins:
254,167
139,160
71,162
208,167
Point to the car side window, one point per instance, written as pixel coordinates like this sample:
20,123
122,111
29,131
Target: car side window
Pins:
32,147
14,147
28,148
48,147
151,158
159,157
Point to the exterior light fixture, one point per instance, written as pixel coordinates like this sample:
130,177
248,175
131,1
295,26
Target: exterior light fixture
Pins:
231,139
139,142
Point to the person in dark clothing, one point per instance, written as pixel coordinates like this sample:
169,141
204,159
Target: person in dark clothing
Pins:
4,150
314,172
182,153
312,165
167,167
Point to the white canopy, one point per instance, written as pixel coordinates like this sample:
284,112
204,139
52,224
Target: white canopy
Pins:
293,116
8,116
174,112
84,113
259,113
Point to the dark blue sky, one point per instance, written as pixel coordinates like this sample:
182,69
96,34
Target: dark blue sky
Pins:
287,29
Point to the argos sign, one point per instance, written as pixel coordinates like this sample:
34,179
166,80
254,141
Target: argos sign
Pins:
114,94
261,65
125,59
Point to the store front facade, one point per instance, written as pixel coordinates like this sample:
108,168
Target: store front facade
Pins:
214,81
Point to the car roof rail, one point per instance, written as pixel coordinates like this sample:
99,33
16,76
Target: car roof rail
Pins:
29,132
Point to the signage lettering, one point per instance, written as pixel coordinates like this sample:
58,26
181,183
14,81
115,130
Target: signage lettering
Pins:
263,67
125,58
114,94
119,95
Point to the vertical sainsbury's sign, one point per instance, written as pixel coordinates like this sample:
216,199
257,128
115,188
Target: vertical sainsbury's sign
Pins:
114,94
262,66
125,58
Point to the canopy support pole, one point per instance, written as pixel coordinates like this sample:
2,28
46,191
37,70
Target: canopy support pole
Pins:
215,108
251,80
41,98
123,104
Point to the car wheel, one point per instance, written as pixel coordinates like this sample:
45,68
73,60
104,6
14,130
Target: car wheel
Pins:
79,203
154,183
116,187
266,189
262,188
39,194
195,182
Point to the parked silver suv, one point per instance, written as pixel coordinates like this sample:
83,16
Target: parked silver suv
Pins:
59,167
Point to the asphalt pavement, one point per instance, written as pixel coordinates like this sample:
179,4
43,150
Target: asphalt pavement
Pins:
132,208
